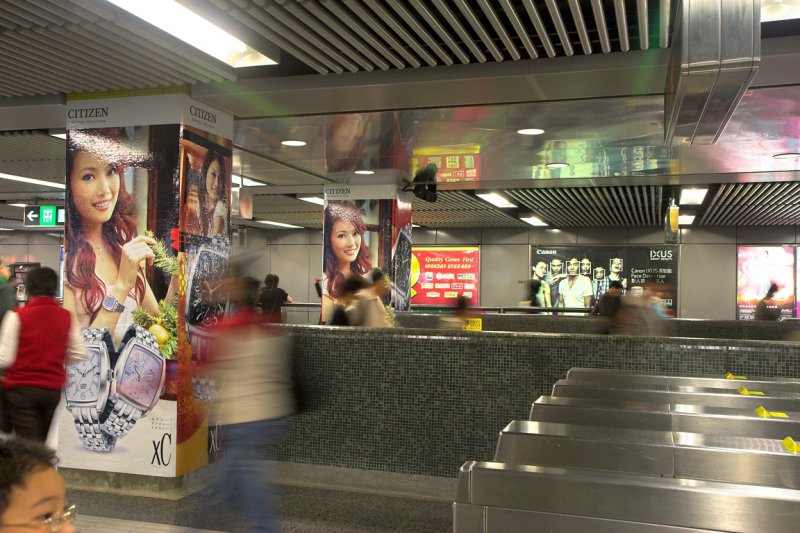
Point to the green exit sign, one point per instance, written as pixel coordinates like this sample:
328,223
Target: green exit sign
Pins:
44,216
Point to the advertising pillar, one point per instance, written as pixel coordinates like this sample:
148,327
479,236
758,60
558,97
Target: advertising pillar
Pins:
147,242
365,227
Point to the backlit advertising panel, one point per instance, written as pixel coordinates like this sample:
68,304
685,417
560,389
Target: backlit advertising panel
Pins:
757,268
440,274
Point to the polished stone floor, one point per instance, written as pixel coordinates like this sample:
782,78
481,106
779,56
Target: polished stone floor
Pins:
303,510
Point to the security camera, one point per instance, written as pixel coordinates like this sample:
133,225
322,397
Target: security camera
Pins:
424,183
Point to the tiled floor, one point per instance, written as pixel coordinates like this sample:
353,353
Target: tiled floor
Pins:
303,510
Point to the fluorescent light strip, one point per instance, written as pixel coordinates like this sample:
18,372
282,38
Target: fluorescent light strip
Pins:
533,221
6,229
495,199
59,135
237,180
32,180
290,142
278,224
557,165
191,28
365,172
530,131
692,196
685,220
312,199
19,205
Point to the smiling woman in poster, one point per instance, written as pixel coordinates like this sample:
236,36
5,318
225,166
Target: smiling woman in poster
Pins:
213,189
344,250
105,253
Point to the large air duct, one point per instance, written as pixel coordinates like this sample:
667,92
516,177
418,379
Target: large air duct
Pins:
716,50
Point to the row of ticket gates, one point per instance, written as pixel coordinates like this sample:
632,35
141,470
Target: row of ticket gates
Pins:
613,451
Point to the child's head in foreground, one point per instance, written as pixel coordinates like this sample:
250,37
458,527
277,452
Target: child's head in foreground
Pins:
33,496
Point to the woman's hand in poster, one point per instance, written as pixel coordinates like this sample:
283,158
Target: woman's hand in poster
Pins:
134,252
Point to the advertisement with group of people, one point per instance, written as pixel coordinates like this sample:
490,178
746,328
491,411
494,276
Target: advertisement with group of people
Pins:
577,277
147,241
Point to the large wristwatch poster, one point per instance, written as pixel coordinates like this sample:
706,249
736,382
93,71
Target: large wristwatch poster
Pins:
441,274
147,201
597,266
757,268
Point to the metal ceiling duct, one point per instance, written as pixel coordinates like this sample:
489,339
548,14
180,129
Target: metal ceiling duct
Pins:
716,51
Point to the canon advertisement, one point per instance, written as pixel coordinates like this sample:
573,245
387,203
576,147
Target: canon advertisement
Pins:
593,267
440,274
758,267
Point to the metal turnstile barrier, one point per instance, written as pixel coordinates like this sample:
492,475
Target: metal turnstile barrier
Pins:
745,460
616,379
668,394
663,417
496,497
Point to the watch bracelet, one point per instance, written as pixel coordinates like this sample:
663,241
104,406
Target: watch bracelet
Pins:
87,419
121,418
90,430
204,388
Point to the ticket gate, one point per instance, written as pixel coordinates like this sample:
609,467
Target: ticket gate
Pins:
495,497
663,417
617,379
670,394
745,460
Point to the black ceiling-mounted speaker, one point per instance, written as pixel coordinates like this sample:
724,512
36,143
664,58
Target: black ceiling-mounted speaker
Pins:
424,183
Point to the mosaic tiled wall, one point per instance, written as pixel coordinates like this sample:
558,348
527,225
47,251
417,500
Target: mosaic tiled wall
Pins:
704,329
424,402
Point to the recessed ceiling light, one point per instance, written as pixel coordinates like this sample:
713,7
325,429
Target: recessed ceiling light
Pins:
32,180
19,205
278,224
692,196
365,172
313,199
533,220
290,142
530,131
685,220
495,199
191,28
557,165
787,155
772,10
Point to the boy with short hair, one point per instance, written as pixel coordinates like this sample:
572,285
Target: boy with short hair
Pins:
33,496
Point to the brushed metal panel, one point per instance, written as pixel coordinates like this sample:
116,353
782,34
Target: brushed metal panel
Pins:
621,379
515,521
597,448
588,415
733,466
628,497
468,518
562,388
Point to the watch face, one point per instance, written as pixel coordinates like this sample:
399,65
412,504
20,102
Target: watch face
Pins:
141,378
83,378
205,298
402,271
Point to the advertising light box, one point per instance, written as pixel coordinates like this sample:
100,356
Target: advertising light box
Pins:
757,268
440,274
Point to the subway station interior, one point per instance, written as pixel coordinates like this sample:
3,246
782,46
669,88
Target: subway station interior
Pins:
561,130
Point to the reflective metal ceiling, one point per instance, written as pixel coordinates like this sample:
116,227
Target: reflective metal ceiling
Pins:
605,124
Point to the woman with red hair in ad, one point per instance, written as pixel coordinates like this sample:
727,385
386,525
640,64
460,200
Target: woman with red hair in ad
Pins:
344,251
104,255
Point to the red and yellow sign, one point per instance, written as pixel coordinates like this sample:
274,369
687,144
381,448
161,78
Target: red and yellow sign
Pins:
455,162
440,274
